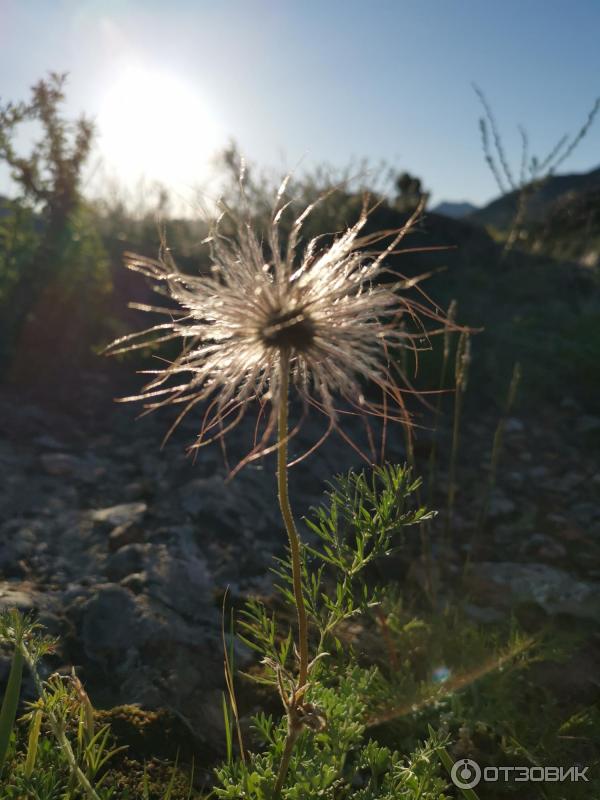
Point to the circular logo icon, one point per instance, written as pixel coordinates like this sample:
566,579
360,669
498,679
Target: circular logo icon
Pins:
465,773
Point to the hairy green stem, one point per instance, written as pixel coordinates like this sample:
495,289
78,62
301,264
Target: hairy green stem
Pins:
294,726
288,519
294,729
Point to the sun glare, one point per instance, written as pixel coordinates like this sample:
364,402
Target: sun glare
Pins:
152,125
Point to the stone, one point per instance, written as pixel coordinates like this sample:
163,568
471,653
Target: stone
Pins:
182,584
120,514
127,533
228,508
61,464
553,589
198,496
543,547
18,594
128,559
538,472
569,481
48,442
136,582
586,513
516,478
570,404
23,541
513,425
573,533
135,490
588,424
500,505
110,622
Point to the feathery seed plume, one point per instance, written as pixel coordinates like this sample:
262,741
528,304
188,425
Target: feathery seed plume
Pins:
325,309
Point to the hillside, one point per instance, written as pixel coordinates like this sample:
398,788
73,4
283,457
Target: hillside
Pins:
571,228
500,212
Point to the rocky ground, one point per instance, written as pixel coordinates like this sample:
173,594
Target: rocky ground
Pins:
542,537
124,550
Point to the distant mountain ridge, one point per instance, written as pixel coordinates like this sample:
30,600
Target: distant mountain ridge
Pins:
455,209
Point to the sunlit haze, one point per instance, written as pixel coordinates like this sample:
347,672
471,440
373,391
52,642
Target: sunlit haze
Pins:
152,124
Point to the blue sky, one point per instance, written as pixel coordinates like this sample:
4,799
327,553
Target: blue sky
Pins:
319,81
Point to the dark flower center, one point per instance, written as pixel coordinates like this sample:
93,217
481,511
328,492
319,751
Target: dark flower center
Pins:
291,330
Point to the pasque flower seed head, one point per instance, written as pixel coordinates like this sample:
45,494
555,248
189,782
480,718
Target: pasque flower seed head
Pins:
324,307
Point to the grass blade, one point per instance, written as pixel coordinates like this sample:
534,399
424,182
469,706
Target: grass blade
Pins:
10,703
32,744
448,763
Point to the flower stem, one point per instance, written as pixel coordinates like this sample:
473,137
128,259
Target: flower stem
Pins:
290,740
286,513
294,725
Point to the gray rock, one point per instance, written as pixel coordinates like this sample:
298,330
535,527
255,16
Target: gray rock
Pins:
543,547
25,541
516,478
557,519
551,588
500,505
65,465
136,582
569,481
127,533
111,622
569,403
128,559
588,424
586,512
247,503
18,594
513,425
119,515
182,584
538,472
48,443
135,490
61,464
552,551
203,496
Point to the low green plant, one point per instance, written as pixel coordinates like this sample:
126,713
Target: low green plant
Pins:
62,756
334,758
363,520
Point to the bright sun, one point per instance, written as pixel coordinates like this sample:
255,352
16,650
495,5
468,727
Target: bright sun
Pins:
153,125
